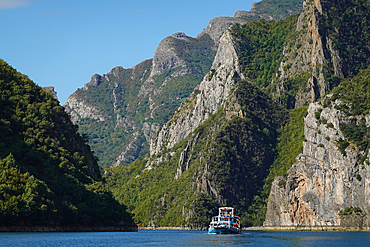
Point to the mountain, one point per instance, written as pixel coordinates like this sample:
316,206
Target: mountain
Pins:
327,184
254,112
49,177
120,111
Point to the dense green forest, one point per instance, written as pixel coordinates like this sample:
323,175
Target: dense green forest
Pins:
289,145
48,174
355,102
260,47
348,25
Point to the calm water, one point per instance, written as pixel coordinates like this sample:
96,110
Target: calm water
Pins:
186,238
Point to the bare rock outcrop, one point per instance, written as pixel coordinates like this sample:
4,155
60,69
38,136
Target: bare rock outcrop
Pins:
165,56
324,179
206,98
311,54
51,90
79,109
217,26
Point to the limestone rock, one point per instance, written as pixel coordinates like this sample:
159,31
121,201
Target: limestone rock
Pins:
79,109
217,26
205,100
165,56
323,181
51,90
312,53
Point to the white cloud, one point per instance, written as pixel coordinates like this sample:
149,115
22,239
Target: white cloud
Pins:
9,4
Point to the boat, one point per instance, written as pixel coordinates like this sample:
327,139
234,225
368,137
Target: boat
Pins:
225,222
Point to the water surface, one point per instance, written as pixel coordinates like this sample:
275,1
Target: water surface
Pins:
186,238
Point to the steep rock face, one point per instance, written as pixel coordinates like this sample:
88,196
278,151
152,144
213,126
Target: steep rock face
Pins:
324,180
217,26
205,100
165,56
223,161
79,109
312,55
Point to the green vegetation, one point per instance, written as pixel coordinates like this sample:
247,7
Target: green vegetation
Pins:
350,210
245,144
110,137
229,155
48,175
347,24
353,217
351,92
277,9
355,102
260,47
290,144
237,159
228,160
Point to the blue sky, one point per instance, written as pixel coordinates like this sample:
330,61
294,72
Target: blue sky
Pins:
62,43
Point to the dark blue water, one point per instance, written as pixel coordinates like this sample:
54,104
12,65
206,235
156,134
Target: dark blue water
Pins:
186,238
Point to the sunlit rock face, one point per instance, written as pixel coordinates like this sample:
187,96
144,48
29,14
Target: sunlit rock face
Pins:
205,100
323,181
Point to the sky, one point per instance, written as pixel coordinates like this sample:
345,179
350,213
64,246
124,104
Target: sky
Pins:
62,43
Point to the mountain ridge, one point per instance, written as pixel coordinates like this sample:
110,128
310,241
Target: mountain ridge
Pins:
293,62
179,64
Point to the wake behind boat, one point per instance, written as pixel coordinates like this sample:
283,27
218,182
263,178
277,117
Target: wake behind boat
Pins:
225,222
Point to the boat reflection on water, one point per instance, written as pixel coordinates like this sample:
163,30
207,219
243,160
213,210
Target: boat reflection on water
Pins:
225,222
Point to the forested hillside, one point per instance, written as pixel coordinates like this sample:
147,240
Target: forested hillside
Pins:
48,174
206,168
236,151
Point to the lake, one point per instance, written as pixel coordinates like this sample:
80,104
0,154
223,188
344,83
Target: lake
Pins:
186,238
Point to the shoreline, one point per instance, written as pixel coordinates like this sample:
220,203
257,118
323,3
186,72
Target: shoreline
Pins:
68,228
308,228
270,228
179,228
170,228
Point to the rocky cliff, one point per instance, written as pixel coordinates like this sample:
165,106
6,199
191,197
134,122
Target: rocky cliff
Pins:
328,183
207,98
221,146
222,161
311,57
326,178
